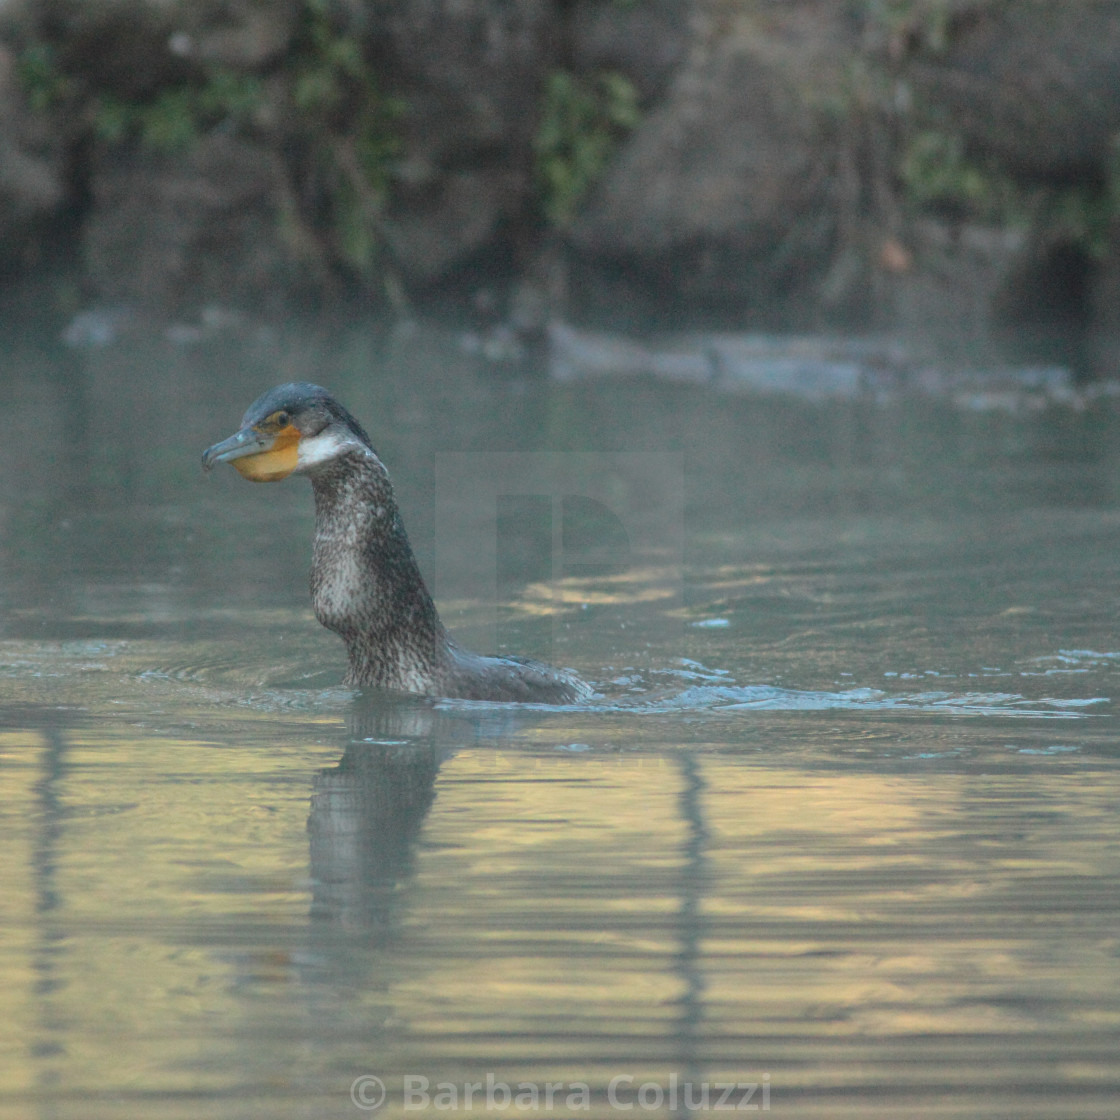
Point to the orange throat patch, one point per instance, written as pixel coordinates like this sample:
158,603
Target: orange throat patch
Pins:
274,464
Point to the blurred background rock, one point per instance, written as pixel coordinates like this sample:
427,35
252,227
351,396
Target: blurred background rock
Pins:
942,169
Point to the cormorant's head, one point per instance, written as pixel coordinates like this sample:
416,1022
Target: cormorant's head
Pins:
287,430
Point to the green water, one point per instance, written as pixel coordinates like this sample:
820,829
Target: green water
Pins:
841,824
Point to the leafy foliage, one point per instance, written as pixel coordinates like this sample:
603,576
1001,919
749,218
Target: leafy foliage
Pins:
582,121
43,82
347,129
935,170
178,115
325,114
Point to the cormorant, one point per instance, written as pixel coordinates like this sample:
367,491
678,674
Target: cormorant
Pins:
365,583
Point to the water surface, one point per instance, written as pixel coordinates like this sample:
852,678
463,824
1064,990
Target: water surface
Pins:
841,823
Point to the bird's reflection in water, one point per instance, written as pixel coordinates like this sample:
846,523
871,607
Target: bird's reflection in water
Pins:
368,810
366,813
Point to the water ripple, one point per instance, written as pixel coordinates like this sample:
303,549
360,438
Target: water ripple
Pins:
730,698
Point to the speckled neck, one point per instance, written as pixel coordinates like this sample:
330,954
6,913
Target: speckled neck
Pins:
365,583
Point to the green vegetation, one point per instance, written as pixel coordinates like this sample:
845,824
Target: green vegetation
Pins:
177,116
582,121
935,171
172,119
1086,214
347,129
43,82
335,129
928,160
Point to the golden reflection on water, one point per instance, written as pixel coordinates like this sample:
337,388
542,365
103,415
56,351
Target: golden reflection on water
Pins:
636,585
555,917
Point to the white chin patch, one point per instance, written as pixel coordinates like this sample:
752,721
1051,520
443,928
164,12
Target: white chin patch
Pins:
327,445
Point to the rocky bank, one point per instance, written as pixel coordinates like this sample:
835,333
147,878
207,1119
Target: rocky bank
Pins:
943,168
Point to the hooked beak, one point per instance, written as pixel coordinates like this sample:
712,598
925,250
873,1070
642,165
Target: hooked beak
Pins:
258,456
246,442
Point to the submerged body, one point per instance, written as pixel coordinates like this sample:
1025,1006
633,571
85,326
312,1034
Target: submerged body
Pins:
365,582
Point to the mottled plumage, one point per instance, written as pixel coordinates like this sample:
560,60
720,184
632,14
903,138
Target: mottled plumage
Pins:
365,583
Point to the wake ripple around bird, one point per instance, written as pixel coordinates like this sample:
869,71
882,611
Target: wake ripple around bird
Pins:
691,688
732,698
729,699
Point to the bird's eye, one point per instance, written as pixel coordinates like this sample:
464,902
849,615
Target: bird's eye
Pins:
282,419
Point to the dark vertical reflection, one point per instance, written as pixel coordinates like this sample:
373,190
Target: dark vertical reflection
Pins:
694,884
366,815
46,1049
367,812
